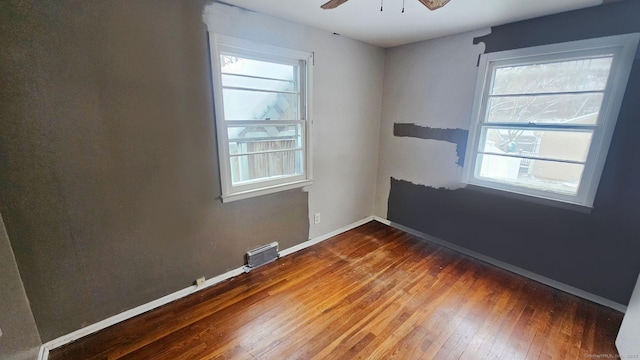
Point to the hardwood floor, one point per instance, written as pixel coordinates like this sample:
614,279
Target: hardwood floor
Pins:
371,293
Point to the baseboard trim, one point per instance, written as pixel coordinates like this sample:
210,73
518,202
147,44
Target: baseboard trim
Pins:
88,330
43,354
322,238
511,268
381,220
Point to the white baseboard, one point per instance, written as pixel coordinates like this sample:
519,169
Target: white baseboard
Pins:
381,220
514,269
65,339
324,237
43,354
88,330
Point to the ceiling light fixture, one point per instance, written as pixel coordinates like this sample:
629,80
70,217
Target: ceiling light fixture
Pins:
431,4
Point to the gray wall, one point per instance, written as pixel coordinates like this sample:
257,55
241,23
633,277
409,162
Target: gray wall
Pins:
596,251
110,183
110,180
19,338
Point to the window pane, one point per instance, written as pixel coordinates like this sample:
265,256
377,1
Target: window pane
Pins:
247,139
241,66
257,105
253,83
580,109
549,144
556,177
589,74
264,167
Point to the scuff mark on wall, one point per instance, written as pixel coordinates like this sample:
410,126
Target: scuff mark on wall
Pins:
455,136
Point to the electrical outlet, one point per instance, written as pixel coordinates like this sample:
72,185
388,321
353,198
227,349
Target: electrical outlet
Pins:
316,218
0,332
200,281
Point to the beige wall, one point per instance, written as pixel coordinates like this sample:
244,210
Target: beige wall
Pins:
346,111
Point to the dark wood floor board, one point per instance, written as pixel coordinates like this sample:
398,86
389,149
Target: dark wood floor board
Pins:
506,311
371,293
387,308
345,288
349,305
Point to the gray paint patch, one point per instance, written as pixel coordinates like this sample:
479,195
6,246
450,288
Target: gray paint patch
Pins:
455,136
594,252
614,18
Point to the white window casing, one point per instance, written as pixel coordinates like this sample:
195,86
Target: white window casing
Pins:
236,186
619,51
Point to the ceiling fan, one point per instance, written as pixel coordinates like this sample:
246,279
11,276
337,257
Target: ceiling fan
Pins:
431,4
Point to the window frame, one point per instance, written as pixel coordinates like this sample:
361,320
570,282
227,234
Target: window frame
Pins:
220,44
623,48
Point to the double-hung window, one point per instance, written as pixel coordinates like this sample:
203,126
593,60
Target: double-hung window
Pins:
543,117
261,97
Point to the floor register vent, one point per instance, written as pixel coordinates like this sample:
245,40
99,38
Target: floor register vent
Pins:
262,255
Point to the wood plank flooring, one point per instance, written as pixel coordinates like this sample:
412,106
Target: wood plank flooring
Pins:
371,293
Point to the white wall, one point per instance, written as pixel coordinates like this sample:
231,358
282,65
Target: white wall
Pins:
346,110
628,341
432,84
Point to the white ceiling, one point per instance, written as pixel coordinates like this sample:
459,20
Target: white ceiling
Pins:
362,19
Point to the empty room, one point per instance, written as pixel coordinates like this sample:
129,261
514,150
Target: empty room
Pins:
314,179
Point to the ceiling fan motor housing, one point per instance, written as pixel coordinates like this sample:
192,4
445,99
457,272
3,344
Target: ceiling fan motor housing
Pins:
431,4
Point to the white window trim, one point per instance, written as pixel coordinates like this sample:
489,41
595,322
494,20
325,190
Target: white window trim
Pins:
219,43
624,47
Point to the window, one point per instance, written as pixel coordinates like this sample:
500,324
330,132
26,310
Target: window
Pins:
543,117
261,109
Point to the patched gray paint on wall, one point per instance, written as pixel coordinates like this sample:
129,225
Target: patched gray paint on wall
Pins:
430,85
19,340
594,252
454,136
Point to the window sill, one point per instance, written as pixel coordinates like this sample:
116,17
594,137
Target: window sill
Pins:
531,198
265,191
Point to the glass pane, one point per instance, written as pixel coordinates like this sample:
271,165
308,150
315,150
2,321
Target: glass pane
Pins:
556,177
265,167
580,109
247,139
241,66
550,144
574,75
253,83
256,105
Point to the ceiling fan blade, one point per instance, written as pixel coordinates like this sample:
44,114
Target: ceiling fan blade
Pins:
332,4
434,4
